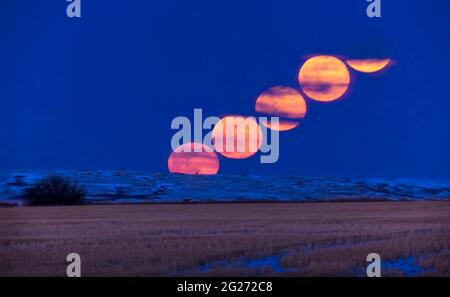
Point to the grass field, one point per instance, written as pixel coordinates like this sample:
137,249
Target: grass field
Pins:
305,239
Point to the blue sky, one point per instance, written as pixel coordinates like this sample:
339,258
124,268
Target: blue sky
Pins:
100,92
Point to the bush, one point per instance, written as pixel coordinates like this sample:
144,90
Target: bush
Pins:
55,190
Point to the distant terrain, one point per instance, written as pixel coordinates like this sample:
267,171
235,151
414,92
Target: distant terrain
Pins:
106,187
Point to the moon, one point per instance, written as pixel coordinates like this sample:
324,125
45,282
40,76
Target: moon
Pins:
283,102
283,125
369,65
324,78
237,137
193,158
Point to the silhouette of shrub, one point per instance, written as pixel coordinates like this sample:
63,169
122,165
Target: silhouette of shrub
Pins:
55,190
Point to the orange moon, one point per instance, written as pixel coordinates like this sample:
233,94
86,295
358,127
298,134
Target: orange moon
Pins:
283,102
193,158
237,137
369,65
324,78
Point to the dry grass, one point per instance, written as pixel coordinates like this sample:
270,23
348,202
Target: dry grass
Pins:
155,240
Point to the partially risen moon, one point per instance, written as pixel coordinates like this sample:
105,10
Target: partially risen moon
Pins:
283,102
193,158
368,65
237,137
324,78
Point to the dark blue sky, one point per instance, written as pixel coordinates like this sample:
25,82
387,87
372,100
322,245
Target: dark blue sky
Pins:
100,92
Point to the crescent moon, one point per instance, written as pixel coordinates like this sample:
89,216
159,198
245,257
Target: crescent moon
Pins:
369,65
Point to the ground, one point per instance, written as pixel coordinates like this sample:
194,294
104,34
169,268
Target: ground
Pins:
239,239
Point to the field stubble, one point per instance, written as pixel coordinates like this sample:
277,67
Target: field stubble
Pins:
314,239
